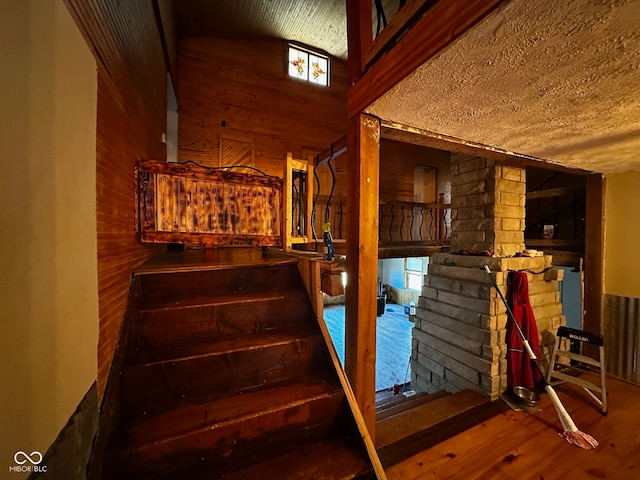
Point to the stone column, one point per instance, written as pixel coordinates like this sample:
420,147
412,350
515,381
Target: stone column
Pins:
460,322
487,206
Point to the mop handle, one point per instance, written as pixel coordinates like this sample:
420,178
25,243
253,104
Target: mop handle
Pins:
527,346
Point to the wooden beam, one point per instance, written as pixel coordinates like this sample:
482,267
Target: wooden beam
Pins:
553,242
362,262
554,192
336,149
165,18
425,138
594,255
360,35
401,21
437,28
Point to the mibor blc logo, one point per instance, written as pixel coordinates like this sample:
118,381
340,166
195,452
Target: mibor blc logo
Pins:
28,462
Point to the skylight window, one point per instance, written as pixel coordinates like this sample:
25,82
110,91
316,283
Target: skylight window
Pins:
307,65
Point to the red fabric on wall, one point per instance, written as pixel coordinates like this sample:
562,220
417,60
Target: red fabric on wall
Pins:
520,371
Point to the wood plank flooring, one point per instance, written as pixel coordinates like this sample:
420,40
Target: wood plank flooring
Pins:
393,346
423,416
519,445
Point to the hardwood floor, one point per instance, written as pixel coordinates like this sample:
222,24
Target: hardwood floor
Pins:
393,346
519,445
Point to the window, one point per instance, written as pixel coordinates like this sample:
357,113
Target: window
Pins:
415,270
308,65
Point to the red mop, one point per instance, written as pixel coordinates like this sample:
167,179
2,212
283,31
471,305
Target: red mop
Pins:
571,433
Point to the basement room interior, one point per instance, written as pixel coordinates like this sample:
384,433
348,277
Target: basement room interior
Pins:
348,239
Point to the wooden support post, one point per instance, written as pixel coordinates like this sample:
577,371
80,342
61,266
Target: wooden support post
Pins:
362,262
360,34
594,258
289,237
441,213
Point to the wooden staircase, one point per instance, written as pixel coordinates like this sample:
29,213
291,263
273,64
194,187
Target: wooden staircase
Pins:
229,376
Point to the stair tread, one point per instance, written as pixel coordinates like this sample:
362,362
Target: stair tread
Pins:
411,421
220,259
332,459
406,403
185,420
219,299
177,285
221,346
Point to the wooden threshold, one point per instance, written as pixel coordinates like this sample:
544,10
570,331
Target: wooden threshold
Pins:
405,424
414,444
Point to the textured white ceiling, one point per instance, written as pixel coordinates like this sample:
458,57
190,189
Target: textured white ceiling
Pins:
555,80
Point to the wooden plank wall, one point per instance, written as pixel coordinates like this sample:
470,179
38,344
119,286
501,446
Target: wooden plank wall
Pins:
131,118
244,84
397,163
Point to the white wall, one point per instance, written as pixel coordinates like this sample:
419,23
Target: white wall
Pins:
48,282
391,272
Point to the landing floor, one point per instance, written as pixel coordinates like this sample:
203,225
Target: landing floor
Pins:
519,445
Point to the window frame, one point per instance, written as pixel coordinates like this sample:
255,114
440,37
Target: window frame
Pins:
309,53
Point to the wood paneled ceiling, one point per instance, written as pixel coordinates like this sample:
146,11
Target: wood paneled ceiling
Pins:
320,24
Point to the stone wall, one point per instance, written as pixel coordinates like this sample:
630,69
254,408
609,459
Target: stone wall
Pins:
460,322
487,205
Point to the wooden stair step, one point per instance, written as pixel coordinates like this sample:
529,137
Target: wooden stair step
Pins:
148,429
169,377
422,440
411,421
259,431
220,346
212,259
180,285
167,323
400,405
334,459
221,299
396,399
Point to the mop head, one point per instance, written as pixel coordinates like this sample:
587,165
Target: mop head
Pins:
580,439
571,433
